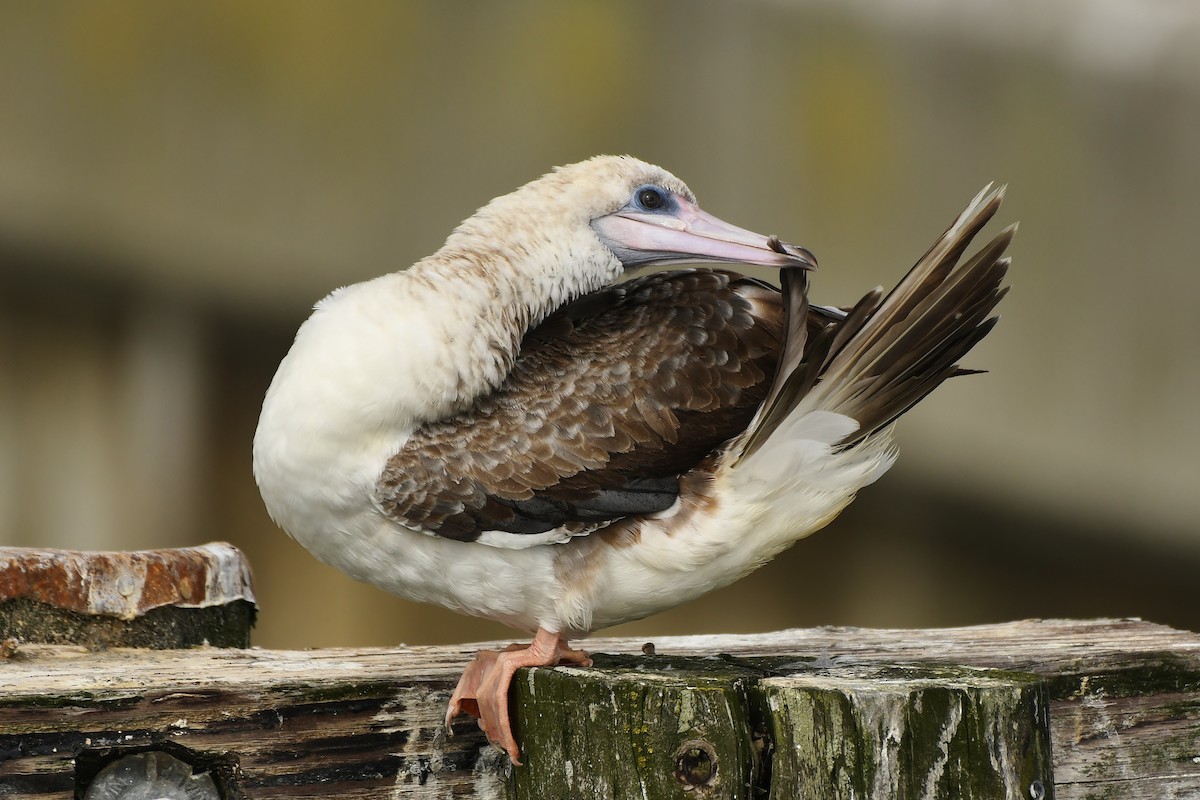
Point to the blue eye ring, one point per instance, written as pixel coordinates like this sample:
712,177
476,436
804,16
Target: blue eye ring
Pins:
650,198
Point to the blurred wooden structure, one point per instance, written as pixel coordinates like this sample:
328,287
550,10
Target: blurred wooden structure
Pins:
1035,709
180,182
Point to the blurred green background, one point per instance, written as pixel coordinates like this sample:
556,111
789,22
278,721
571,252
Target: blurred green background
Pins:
180,182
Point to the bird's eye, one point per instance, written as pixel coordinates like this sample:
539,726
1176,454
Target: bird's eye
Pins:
650,198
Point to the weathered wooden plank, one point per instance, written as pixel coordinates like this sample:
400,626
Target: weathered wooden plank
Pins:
332,724
637,728
1124,707
169,598
889,733
831,732
1128,734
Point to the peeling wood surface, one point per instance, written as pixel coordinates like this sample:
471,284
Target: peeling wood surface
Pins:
1124,699
125,584
169,598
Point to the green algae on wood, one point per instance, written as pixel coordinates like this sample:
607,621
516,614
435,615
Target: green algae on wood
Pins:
635,728
1124,712
866,732
163,628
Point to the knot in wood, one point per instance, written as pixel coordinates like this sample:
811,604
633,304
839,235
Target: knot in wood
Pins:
695,764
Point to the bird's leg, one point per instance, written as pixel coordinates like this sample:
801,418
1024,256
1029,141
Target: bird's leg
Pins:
483,689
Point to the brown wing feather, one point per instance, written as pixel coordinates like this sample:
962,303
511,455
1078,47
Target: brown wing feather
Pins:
891,350
610,400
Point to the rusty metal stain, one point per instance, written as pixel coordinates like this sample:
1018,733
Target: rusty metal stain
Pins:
126,584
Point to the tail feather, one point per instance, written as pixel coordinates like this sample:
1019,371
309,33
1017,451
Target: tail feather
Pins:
889,351
800,359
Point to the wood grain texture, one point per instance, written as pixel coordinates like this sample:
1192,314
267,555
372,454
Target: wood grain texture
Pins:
855,732
1124,701
681,729
296,724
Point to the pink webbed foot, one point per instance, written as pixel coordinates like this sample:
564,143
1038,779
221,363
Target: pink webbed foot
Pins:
482,691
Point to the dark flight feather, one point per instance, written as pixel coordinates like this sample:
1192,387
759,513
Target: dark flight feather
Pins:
889,351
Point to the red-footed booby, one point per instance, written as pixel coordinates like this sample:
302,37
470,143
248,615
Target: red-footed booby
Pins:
507,430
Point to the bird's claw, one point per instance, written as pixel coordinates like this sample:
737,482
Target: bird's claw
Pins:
482,691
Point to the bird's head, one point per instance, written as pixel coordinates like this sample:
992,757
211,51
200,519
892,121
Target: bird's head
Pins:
645,215
628,214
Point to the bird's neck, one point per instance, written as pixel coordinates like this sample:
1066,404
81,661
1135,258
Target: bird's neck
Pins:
481,301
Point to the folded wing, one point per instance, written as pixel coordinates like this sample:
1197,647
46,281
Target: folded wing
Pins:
610,400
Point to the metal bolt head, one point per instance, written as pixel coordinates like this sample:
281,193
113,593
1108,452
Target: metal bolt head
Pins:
126,583
151,775
1037,790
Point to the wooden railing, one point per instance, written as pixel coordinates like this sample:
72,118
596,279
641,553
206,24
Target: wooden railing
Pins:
1034,709
1066,709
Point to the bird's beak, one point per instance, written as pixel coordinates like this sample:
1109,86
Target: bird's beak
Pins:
686,234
